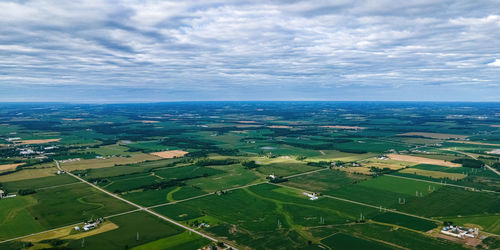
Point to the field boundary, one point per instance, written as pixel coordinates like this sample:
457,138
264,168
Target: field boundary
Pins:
444,184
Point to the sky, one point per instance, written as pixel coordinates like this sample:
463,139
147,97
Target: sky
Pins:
159,51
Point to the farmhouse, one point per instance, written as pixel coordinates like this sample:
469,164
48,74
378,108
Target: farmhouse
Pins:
460,232
90,225
313,196
3,195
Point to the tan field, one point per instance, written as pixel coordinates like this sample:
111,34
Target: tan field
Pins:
358,170
170,153
10,166
246,122
382,165
278,126
433,174
147,121
107,162
435,135
343,127
422,160
248,126
65,233
30,173
478,143
24,142
104,227
72,119
239,131
495,126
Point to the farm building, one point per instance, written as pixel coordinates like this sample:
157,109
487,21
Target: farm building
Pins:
460,232
313,196
1,193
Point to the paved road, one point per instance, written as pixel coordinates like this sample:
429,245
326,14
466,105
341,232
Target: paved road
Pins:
138,206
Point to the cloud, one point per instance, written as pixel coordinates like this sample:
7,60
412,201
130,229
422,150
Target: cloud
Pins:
241,45
495,63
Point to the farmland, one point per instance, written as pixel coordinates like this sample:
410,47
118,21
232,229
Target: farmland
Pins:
248,175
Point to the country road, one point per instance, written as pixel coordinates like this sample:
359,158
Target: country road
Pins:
475,158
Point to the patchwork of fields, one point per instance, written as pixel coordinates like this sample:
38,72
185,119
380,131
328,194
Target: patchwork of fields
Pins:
247,175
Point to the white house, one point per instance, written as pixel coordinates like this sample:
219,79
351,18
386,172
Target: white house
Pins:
1,193
311,196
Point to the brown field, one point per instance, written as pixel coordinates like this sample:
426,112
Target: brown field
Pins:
435,135
148,121
495,126
42,141
343,127
278,126
30,173
104,227
433,174
65,233
10,166
72,119
358,170
478,143
422,160
391,165
108,162
239,131
247,122
494,151
248,126
170,153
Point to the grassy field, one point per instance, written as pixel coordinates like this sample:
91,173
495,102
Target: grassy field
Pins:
344,241
406,221
15,218
434,174
148,227
186,240
232,176
30,173
325,181
449,201
71,204
37,183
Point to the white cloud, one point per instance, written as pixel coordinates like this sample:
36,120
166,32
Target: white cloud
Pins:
166,44
496,63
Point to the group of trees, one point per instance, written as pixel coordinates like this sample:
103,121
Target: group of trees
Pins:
250,164
469,163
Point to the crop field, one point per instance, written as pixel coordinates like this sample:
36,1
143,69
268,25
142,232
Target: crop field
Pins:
231,177
108,162
325,181
37,183
434,174
422,160
344,241
256,175
406,221
454,201
136,230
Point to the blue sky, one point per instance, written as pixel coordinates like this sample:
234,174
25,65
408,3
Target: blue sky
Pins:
149,51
